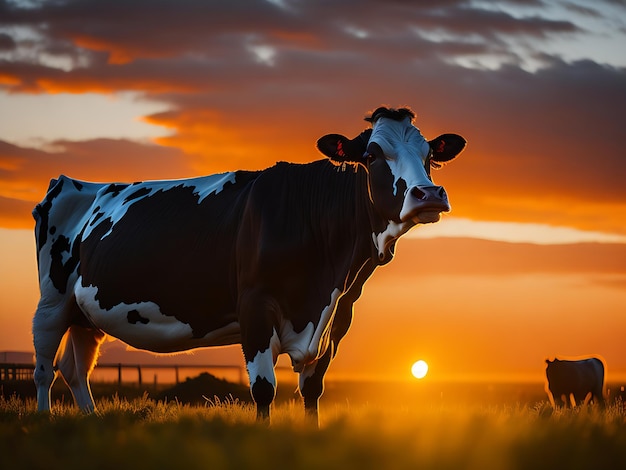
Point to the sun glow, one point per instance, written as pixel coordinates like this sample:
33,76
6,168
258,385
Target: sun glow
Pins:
419,369
514,232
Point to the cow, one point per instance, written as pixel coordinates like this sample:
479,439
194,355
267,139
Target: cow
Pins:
272,260
570,382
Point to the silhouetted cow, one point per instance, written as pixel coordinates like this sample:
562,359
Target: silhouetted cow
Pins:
567,380
271,259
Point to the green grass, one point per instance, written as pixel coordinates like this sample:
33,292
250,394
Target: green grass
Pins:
142,433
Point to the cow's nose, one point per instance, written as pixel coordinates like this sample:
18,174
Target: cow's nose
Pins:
424,199
434,193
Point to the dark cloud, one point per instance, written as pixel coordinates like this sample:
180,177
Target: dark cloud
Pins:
583,10
7,43
621,3
544,146
164,28
526,3
490,24
249,83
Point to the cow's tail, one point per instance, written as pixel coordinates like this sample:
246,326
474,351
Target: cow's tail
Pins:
44,205
41,213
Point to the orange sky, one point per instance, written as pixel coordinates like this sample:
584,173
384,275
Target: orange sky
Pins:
102,94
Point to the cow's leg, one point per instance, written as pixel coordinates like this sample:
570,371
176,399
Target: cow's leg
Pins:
583,398
49,326
260,364
597,392
560,399
261,347
76,362
598,397
312,377
312,385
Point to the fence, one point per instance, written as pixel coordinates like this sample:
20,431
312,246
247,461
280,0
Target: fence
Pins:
16,371
10,371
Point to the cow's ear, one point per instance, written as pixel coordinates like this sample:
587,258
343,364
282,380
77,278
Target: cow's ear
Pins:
341,149
446,147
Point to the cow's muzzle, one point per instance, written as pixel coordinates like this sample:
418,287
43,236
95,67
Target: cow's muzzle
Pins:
424,205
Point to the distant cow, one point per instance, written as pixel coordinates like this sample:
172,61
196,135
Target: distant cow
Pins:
575,379
271,259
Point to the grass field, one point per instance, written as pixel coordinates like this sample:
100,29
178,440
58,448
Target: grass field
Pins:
471,427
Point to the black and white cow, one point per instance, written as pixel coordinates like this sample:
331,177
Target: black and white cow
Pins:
271,259
575,379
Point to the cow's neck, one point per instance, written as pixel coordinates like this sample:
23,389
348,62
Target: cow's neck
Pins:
332,206
367,223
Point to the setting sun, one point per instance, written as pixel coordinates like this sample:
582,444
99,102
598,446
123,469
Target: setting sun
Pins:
419,369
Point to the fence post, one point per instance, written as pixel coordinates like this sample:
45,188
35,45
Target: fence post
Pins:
139,374
119,373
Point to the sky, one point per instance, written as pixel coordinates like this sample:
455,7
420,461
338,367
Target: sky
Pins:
530,263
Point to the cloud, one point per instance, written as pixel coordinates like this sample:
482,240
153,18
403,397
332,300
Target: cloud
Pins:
513,232
544,146
6,42
26,172
472,257
118,32
249,83
491,24
16,213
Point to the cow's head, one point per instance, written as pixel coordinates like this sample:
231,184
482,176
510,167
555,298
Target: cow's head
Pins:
399,160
